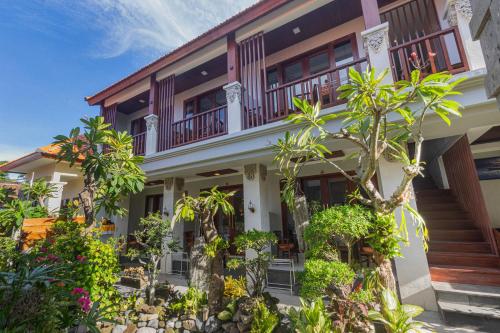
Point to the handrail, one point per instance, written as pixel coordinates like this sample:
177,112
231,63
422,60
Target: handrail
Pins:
139,143
422,39
292,83
200,114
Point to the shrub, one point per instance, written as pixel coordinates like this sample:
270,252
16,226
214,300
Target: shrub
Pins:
235,288
319,275
348,222
256,267
92,264
191,302
264,321
8,253
311,317
385,236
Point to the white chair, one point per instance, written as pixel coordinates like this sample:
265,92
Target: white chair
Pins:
282,265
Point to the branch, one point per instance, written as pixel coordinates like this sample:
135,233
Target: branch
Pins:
347,136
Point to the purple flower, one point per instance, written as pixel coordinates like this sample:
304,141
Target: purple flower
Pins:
84,302
81,258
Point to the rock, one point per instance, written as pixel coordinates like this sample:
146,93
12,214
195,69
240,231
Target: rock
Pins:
146,330
243,327
161,324
161,330
189,325
144,308
153,323
199,324
131,328
169,330
212,325
170,323
106,329
178,324
120,320
141,324
119,329
237,316
227,327
246,319
147,316
235,330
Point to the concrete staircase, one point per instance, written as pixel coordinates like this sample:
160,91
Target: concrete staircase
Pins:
476,307
458,252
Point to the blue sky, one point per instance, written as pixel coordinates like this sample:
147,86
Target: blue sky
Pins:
53,53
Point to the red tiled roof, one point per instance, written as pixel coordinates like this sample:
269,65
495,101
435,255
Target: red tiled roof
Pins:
242,18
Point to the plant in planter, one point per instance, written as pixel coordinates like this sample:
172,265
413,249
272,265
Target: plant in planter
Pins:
134,277
235,288
379,121
192,302
256,242
264,320
397,317
203,209
152,247
348,222
320,276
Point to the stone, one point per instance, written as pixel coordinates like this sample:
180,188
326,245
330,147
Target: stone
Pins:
119,329
131,328
199,324
212,324
106,329
161,324
243,327
189,324
161,330
153,323
147,316
169,330
141,324
178,324
170,323
246,319
144,308
146,330
227,327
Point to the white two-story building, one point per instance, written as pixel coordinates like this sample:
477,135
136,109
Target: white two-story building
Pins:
208,112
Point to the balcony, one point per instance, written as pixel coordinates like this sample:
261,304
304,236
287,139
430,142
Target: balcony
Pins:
199,127
139,144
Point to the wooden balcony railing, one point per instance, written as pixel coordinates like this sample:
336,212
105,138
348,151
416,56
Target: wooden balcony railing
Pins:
318,87
439,51
199,127
139,142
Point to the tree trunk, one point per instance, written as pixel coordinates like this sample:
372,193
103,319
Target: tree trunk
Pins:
300,215
199,265
88,211
385,271
216,284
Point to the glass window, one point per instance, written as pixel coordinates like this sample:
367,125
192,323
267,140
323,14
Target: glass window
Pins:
318,63
343,53
206,103
272,78
154,203
337,189
293,72
189,109
312,191
220,98
138,126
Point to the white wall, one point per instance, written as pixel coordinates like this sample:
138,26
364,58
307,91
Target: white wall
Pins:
491,193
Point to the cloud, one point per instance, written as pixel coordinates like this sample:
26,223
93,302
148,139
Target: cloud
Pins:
11,152
151,26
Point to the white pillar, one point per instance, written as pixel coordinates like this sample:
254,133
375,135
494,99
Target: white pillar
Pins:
256,204
172,191
233,96
54,202
412,269
151,133
376,41
459,13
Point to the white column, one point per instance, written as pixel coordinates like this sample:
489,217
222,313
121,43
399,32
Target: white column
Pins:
412,269
172,191
151,133
376,41
459,13
54,202
256,204
233,96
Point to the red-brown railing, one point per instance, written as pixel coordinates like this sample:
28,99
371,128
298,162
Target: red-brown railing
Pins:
139,142
321,86
439,51
201,126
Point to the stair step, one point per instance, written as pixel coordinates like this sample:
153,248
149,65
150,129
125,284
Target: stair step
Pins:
468,294
465,275
456,235
443,214
467,247
483,318
463,259
450,224
441,205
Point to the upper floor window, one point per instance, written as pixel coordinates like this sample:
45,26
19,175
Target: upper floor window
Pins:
205,102
137,126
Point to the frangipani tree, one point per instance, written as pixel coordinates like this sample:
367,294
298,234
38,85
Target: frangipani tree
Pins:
110,169
379,122
203,210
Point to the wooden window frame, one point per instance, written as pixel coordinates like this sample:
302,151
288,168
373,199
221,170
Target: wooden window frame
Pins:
305,56
141,121
197,98
152,196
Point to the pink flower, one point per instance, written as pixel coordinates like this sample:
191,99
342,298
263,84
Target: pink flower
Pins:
414,55
40,259
77,291
84,302
81,258
52,257
43,249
